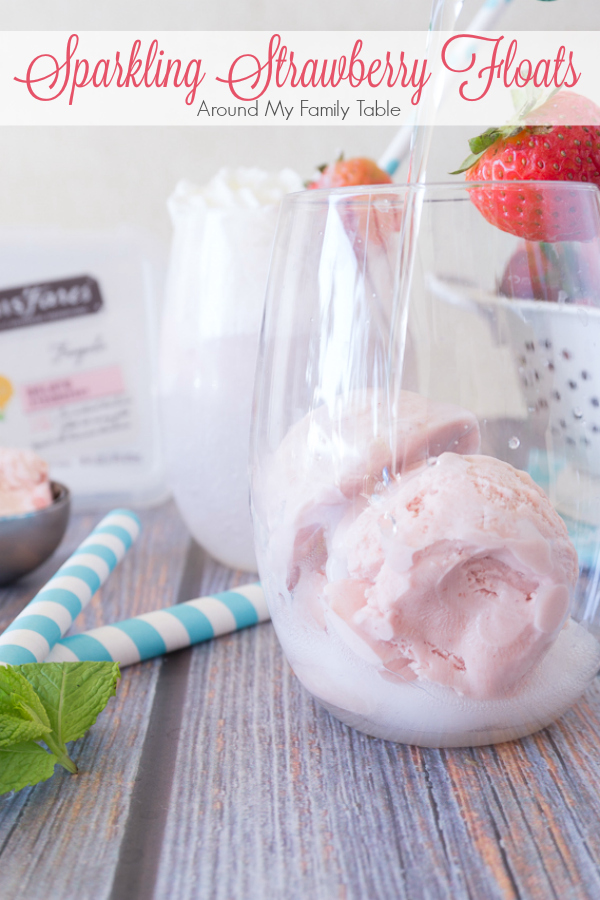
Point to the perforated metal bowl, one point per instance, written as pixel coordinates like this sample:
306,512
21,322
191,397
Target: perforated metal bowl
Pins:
557,349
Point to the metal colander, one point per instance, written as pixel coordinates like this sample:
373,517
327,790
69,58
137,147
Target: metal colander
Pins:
556,348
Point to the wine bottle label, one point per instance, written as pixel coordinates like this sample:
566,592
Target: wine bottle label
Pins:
33,304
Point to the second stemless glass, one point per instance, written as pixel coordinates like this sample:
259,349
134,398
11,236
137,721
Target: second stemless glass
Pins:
425,456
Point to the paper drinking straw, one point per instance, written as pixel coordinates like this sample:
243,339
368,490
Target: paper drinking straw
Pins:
172,628
398,149
35,631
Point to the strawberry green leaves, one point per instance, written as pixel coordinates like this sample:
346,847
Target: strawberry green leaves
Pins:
479,144
526,101
50,702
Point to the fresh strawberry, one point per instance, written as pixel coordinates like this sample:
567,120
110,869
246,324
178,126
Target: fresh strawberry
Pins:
565,108
535,150
368,220
348,173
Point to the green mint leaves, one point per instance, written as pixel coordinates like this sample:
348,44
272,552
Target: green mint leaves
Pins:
22,713
24,764
50,702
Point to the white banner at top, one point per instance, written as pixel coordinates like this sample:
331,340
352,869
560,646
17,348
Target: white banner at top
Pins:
290,78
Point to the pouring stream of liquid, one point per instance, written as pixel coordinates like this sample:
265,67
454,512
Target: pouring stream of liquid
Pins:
444,15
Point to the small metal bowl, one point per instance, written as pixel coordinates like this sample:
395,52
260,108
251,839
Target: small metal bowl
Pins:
27,540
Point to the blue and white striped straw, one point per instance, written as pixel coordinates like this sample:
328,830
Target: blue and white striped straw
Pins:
49,615
172,628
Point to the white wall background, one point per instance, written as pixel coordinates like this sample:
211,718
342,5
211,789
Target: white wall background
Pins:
97,177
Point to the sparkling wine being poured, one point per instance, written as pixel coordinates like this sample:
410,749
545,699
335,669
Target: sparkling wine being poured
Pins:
444,15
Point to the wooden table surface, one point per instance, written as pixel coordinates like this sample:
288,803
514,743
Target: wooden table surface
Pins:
212,774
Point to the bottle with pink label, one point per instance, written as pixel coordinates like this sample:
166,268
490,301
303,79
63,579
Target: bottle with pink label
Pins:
78,350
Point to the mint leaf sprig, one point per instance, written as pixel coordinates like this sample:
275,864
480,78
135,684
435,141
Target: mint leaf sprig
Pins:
50,702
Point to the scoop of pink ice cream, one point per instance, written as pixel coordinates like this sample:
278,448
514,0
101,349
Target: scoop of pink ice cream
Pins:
24,485
354,450
328,465
460,574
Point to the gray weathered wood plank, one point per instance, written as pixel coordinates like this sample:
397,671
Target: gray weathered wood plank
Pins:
274,798
61,838
269,797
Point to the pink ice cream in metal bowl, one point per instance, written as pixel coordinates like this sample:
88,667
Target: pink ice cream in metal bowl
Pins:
34,513
24,484
421,591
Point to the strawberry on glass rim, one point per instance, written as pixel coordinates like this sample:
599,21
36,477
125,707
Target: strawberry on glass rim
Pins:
530,148
348,173
366,218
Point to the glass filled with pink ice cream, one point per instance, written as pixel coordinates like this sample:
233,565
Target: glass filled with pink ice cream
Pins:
425,459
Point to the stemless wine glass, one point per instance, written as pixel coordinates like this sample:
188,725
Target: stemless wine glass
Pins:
425,459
